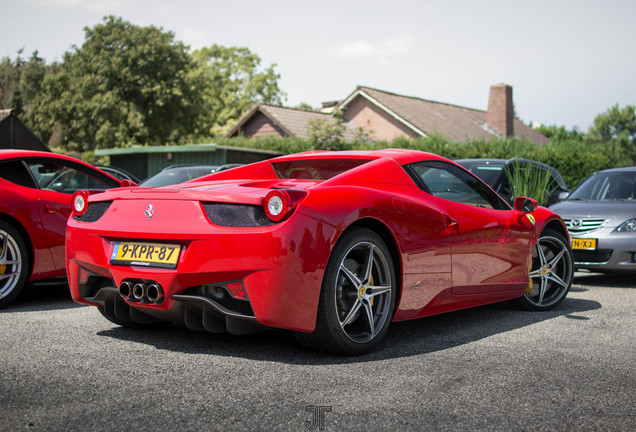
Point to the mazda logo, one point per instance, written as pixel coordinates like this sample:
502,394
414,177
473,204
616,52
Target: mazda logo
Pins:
576,223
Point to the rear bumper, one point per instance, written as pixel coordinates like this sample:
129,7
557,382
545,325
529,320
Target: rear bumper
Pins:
281,268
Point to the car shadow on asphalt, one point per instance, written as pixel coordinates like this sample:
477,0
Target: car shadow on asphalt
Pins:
404,339
604,280
41,297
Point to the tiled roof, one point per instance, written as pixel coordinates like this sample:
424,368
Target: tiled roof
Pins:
455,122
293,121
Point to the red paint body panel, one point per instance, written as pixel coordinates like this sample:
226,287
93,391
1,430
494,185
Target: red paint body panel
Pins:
21,205
41,214
481,258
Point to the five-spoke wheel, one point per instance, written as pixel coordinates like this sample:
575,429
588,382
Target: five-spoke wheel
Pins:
14,263
551,273
357,298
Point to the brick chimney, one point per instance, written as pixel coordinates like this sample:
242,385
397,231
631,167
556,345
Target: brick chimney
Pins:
500,115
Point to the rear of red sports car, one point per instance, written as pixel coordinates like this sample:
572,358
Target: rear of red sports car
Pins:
334,246
231,255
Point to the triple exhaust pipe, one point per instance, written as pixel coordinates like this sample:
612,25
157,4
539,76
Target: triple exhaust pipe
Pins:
141,292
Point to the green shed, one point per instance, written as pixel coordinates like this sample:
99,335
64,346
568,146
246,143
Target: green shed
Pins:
146,161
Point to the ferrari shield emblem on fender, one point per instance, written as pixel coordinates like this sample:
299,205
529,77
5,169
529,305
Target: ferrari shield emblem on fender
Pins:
150,211
531,219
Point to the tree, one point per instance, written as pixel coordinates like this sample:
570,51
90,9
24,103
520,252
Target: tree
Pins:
327,133
305,106
9,82
234,82
126,85
560,133
32,75
615,124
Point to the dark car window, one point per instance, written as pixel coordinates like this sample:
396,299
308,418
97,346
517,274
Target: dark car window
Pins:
452,183
488,171
315,169
178,175
15,172
607,186
60,177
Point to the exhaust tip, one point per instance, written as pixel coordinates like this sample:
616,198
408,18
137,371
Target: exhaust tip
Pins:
126,290
155,293
139,291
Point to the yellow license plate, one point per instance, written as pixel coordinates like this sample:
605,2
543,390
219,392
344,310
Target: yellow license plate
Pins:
145,254
586,244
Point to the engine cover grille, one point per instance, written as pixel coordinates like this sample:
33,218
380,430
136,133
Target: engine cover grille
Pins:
236,215
94,211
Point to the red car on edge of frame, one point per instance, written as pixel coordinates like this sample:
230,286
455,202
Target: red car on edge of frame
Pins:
331,245
35,202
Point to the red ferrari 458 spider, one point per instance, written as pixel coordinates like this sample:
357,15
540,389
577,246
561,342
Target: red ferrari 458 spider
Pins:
332,245
35,202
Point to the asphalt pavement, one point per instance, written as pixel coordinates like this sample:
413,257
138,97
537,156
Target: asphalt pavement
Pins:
64,367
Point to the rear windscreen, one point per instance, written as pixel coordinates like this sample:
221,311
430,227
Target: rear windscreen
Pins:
315,169
488,172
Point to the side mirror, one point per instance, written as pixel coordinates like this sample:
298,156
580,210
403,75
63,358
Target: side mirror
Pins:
563,195
525,205
127,183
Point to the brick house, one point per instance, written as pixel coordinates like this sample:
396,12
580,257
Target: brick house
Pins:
267,119
390,115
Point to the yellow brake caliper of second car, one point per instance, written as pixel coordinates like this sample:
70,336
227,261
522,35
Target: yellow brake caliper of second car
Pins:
3,267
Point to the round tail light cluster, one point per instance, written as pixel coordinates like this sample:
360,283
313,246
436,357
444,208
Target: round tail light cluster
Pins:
79,202
277,205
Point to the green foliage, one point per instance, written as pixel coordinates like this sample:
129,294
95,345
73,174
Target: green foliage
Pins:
126,85
572,158
233,84
615,124
304,106
10,83
363,135
32,74
619,126
560,133
530,181
283,145
327,134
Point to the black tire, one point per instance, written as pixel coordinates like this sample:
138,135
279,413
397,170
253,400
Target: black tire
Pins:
551,274
354,313
14,263
108,311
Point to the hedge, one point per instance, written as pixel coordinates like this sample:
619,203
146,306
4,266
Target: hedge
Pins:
574,159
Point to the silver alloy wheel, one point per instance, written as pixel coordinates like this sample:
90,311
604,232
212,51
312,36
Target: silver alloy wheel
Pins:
10,264
363,292
552,272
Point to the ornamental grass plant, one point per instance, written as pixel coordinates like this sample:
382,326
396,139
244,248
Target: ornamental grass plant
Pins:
528,180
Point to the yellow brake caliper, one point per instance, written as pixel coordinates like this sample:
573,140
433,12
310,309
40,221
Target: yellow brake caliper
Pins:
371,283
529,288
3,267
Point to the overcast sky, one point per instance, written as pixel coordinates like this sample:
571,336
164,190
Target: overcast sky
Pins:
566,60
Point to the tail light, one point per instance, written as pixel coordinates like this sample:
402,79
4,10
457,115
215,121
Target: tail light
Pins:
79,202
277,205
